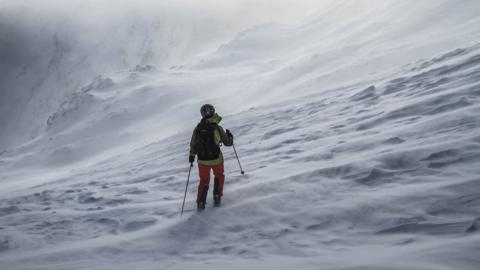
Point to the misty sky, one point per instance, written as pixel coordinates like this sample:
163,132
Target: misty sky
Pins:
49,48
256,10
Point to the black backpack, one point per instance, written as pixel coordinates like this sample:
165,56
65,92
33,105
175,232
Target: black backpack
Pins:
207,149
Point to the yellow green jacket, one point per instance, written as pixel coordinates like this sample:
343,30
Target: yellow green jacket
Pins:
221,137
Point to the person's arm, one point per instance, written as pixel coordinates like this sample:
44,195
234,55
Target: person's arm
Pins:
193,143
226,139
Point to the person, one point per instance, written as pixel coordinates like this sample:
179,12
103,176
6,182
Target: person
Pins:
207,138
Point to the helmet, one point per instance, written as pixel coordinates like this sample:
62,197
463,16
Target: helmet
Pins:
207,110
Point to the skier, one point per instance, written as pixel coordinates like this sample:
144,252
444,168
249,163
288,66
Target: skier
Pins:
206,140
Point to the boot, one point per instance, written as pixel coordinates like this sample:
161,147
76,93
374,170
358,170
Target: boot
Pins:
217,199
203,201
200,206
216,196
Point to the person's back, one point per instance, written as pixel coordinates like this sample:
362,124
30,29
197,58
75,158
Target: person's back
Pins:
207,138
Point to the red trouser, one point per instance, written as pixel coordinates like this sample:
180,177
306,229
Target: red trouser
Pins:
204,172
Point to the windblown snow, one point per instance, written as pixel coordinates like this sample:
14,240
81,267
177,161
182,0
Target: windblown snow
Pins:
358,127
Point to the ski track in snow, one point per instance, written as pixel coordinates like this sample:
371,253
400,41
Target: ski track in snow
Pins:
376,174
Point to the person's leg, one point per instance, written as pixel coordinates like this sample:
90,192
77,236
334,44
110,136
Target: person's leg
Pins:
219,180
204,173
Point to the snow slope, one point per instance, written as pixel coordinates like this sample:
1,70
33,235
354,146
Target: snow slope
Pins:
50,49
360,138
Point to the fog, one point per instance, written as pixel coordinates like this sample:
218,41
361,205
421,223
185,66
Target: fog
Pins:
237,11
51,48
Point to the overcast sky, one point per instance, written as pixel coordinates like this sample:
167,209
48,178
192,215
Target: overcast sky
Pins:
279,10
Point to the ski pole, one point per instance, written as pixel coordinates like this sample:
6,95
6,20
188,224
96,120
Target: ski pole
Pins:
238,159
185,196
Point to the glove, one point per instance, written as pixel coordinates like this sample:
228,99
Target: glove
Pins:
191,159
229,134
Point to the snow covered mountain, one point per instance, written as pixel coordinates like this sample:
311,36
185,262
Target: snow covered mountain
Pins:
52,48
358,130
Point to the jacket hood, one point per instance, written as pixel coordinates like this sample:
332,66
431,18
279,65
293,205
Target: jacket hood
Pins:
215,119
